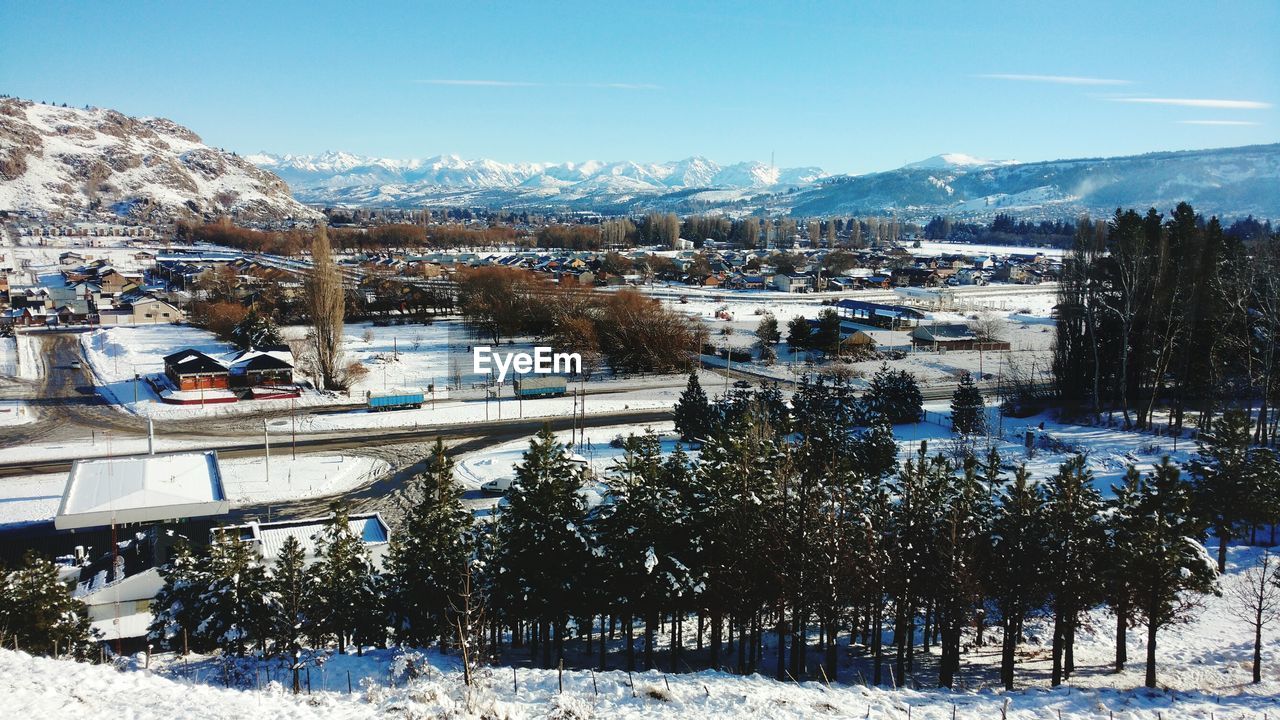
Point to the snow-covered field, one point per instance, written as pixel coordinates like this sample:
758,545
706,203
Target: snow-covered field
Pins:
117,355
35,498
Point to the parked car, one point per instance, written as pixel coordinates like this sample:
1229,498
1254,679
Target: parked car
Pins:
75,365
498,486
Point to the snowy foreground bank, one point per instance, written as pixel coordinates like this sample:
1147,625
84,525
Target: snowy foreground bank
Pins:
40,687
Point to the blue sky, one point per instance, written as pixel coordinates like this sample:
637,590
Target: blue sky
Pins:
849,86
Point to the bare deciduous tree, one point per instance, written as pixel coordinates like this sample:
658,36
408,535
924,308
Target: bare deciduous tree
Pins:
1255,599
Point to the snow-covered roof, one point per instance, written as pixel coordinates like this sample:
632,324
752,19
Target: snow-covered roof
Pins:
270,537
142,488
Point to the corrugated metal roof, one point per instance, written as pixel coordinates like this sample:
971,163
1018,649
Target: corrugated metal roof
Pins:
271,536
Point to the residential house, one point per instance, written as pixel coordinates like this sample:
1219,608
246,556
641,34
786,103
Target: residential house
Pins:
191,369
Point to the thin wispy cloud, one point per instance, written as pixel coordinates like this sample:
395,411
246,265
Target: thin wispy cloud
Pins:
526,84
1056,79
1217,122
479,83
1197,102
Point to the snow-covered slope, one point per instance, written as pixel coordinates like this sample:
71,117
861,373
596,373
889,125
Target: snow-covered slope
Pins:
1229,181
951,161
343,178
76,163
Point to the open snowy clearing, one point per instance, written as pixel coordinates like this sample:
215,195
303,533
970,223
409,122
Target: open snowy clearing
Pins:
33,499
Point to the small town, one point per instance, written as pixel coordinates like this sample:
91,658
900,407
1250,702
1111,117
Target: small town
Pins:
361,362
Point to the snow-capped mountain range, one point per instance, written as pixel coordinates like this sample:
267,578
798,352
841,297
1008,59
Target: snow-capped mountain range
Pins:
80,163
1230,182
343,178
1227,181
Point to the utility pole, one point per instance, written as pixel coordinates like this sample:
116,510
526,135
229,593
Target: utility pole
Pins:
266,444
151,436
293,416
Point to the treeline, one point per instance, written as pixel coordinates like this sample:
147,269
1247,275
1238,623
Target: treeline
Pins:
796,520
1168,312
371,239
632,332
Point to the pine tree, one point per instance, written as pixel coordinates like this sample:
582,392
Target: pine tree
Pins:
767,330
178,607
38,614
968,411
799,333
237,603
1072,514
1224,474
256,331
693,411
641,534
289,581
346,600
542,544
1016,577
428,560
1169,566
895,395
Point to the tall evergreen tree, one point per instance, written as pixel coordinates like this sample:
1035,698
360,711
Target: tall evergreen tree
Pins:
1224,476
968,411
693,411
542,542
1072,515
895,395
238,604
346,598
289,581
1016,576
1169,566
427,564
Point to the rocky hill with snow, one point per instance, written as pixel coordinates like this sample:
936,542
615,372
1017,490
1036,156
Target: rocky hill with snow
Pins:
1233,182
74,163
346,179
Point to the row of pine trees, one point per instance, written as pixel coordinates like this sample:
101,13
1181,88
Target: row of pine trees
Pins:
794,524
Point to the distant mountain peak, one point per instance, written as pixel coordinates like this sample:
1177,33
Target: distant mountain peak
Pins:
333,177
955,161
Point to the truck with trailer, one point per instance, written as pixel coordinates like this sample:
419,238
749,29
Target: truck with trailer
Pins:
379,401
538,386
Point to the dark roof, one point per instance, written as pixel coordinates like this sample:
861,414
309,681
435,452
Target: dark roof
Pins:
870,308
948,331
192,362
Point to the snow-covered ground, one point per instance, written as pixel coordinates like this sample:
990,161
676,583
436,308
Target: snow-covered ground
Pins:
116,356
1022,314
1204,667
35,498
1108,451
